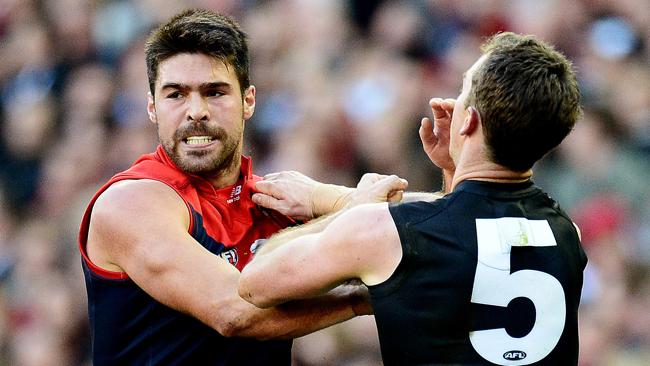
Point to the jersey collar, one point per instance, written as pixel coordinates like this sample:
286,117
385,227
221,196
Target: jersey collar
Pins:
228,194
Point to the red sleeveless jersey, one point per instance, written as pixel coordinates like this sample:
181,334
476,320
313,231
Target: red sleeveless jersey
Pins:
130,327
220,219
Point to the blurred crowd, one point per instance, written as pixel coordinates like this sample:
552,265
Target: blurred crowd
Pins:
341,88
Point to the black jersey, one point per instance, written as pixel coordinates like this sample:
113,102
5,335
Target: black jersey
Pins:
490,274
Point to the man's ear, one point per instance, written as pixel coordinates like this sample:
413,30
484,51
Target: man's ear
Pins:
249,102
472,121
151,108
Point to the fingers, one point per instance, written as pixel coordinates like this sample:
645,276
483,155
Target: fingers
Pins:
267,201
370,177
395,196
382,181
280,205
288,192
387,186
269,188
378,188
437,107
393,188
442,108
288,175
285,174
390,184
449,104
271,176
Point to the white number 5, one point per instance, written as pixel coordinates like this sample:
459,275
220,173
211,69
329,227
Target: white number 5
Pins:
494,285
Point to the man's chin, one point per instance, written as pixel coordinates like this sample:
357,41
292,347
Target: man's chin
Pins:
198,167
207,161
203,163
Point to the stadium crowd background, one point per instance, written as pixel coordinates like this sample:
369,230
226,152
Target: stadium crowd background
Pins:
342,86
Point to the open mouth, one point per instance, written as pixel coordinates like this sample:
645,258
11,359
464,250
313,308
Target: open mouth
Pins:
198,140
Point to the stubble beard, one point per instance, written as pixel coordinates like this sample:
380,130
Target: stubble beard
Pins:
201,162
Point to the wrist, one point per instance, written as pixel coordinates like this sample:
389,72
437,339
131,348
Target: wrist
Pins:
447,179
328,198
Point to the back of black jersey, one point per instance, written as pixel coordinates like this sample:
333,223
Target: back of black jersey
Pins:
490,274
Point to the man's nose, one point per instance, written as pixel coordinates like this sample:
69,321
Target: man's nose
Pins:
197,109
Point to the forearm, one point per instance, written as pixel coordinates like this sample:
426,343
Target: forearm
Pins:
319,224
301,317
288,234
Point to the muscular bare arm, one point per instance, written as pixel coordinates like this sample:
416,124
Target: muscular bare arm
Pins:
140,227
361,243
372,188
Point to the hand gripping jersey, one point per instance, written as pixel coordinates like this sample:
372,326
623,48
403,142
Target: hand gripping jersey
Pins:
490,274
131,328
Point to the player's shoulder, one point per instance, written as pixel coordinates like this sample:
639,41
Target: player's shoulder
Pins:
131,199
134,190
415,211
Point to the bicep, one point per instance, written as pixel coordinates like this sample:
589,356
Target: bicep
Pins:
144,230
356,245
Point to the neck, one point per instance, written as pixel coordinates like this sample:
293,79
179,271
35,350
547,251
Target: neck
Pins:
488,172
473,163
226,174
227,177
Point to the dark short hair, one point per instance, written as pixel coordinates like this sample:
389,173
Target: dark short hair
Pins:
199,31
527,95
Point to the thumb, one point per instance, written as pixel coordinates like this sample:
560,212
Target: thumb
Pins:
395,196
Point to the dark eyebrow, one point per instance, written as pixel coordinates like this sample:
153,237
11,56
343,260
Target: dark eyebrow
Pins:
214,85
173,86
181,86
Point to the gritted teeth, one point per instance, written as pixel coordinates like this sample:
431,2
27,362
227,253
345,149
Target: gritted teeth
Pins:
197,140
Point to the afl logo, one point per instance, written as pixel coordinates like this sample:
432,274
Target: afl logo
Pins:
514,355
230,256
